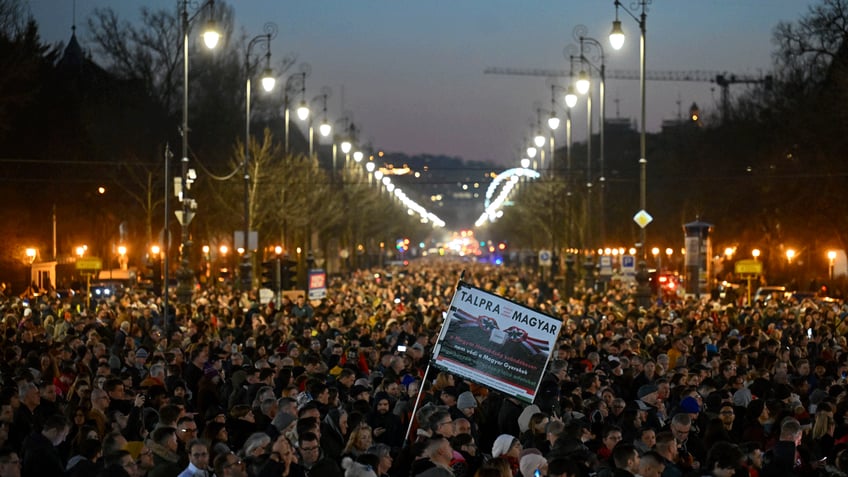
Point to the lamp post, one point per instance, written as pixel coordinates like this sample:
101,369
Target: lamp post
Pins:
831,258
31,253
302,109
268,81
210,38
617,41
325,93
600,67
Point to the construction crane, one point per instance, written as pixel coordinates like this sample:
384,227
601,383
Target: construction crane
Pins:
723,80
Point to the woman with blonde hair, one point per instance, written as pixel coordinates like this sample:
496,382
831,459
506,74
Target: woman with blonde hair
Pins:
359,441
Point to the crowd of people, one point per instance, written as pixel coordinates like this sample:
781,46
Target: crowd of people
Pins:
231,386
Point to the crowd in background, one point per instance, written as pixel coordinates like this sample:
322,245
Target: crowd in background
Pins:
341,386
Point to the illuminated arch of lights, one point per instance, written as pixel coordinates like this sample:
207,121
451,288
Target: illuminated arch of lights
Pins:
493,203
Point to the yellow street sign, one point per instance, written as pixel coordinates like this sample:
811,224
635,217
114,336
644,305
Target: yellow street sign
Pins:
749,267
89,263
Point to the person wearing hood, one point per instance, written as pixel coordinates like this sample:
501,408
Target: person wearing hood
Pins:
334,433
387,426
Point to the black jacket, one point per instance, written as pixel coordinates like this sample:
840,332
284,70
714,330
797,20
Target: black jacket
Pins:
40,457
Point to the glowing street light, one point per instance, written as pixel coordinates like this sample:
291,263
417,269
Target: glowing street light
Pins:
831,257
755,253
790,254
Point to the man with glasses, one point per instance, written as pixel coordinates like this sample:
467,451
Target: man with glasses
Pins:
312,457
690,448
120,460
198,460
10,463
186,433
441,424
229,465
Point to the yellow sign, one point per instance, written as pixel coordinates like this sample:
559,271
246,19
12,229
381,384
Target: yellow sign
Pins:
89,263
749,267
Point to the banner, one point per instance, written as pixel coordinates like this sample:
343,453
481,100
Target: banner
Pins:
495,342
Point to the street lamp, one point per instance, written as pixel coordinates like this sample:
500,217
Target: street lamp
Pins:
600,67
617,41
755,253
268,82
290,83
790,255
211,36
325,93
831,257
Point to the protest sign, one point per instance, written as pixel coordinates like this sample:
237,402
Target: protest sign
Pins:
495,342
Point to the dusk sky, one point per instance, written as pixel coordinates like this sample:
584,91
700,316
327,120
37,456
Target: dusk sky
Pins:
412,72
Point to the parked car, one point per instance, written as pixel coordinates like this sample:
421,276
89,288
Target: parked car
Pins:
765,294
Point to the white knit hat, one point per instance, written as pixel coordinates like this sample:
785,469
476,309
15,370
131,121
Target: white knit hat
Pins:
502,445
529,463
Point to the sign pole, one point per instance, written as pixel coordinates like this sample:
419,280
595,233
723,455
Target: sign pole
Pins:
427,372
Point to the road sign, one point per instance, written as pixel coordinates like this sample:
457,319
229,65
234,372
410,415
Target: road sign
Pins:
628,264
606,265
642,218
749,267
317,284
89,263
545,258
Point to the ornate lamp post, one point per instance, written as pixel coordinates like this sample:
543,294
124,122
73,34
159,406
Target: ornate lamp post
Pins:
643,292
268,81
598,65
210,38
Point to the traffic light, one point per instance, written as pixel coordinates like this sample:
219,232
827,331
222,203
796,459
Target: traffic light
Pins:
288,273
271,275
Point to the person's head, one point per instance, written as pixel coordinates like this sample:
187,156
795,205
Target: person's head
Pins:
533,465
384,457
122,459
228,464
648,436
441,423
166,437
651,464
439,450
790,431
680,426
461,426
186,429
198,454
723,458
563,467
611,436
56,428
666,445
310,448
626,456
727,415
10,462
256,444
464,443
506,445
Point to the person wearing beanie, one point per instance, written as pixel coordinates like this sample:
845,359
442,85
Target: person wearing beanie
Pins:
689,405
530,463
508,447
466,406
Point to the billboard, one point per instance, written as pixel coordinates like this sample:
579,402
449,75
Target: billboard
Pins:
495,342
